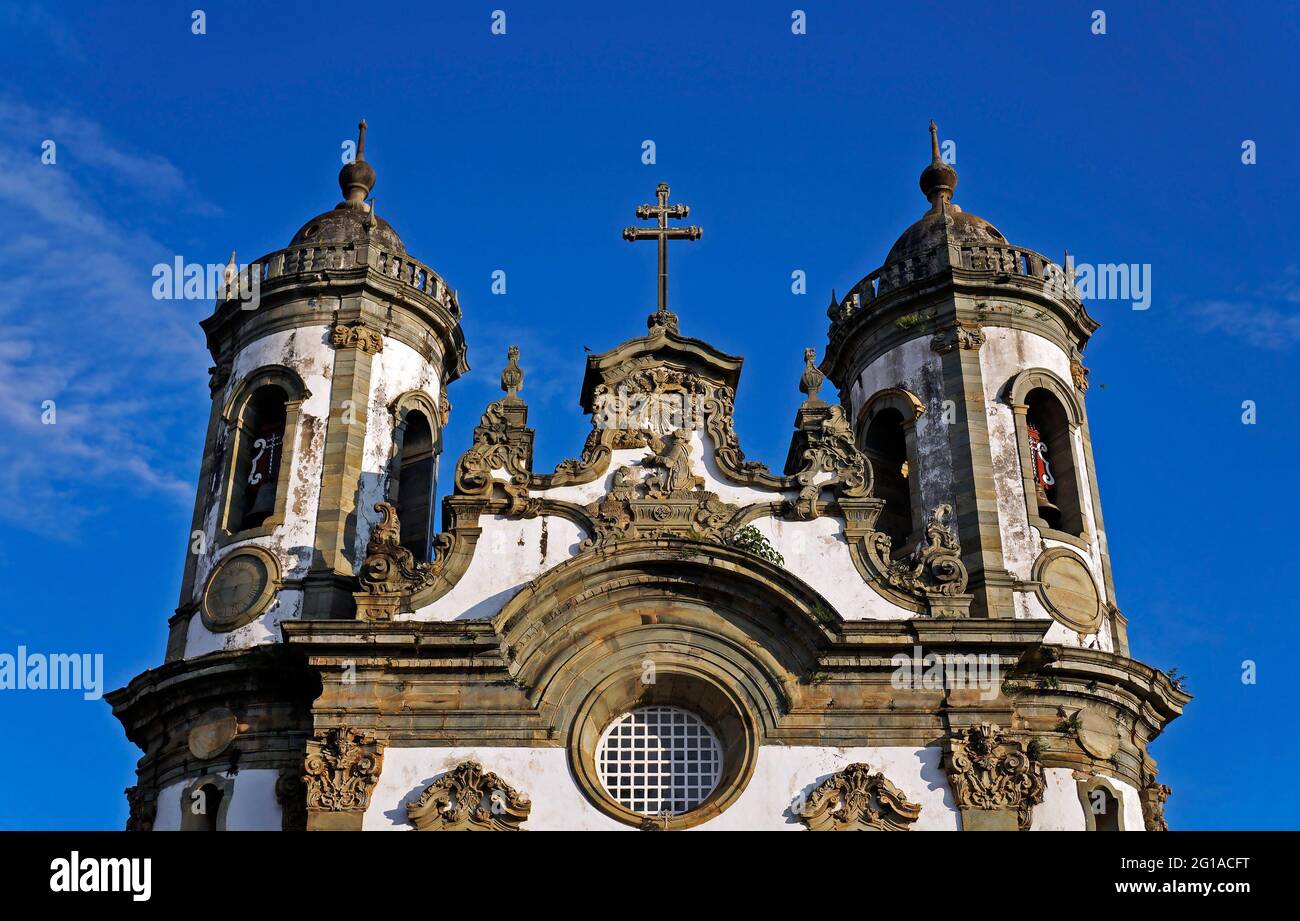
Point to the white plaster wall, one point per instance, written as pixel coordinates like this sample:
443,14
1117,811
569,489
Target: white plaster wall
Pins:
915,367
252,806
509,555
1061,810
817,552
307,352
394,371
1005,353
199,640
781,774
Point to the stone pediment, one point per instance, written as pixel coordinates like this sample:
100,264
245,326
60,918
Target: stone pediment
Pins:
662,347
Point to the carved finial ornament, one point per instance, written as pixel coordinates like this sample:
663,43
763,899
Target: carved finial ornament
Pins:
512,377
811,381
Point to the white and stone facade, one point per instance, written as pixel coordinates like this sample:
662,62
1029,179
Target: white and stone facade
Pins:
918,610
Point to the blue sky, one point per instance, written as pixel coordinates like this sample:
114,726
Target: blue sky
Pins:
522,152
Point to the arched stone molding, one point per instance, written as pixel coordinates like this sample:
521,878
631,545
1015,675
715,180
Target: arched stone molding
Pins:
401,407
1016,393
234,417
711,629
1087,787
909,406
193,798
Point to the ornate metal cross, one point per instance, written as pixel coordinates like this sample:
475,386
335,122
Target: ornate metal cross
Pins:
663,233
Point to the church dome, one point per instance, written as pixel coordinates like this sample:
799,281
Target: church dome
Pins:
352,220
944,222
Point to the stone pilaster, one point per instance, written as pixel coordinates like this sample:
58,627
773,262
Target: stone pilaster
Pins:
974,493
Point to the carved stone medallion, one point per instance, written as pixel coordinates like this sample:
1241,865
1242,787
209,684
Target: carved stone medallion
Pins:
1068,590
857,800
213,733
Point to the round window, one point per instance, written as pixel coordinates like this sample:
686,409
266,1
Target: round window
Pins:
656,760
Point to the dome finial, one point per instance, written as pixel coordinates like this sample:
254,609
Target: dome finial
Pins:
357,178
938,180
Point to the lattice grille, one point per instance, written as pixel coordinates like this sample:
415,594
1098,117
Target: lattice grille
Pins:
659,759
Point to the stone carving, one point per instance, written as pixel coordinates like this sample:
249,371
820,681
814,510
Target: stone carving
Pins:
857,800
468,799
357,336
291,794
218,376
669,501
960,334
144,809
341,769
825,445
988,769
1079,374
389,570
512,377
934,567
810,382
1152,796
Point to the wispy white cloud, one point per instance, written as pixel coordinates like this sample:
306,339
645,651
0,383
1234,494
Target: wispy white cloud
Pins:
80,327
1270,319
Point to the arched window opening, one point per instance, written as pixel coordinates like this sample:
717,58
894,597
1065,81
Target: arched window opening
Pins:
260,450
203,808
1104,808
415,485
885,445
1051,459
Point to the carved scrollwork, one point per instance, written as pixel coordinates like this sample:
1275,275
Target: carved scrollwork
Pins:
934,568
668,501
357,336
857,800
341,769
1152,796
467,798
988,769
960,334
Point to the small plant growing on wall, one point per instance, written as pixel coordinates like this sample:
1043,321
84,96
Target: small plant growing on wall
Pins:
751,540
1176,678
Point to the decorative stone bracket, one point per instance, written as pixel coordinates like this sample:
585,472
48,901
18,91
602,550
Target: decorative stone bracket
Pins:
857,800
341,769
468,799
389,570
994,781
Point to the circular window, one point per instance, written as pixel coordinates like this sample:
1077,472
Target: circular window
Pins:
657,760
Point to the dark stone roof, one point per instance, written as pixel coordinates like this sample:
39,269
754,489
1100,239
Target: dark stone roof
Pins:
346,224
938,226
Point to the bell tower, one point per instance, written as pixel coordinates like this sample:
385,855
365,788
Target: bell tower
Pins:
328,396
960,361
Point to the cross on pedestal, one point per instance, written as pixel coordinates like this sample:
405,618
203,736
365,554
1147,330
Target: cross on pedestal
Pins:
663,233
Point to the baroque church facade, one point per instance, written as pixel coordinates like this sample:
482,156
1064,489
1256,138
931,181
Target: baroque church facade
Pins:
911,626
